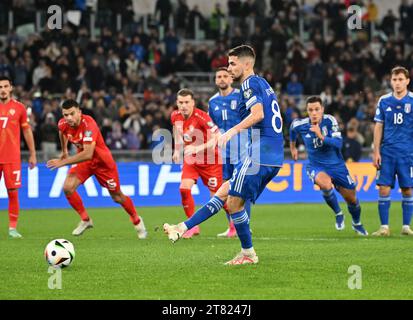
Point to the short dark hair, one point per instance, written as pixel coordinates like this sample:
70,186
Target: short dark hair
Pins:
242,51
221,69
186,92
5,78
314,99
399,69
70,103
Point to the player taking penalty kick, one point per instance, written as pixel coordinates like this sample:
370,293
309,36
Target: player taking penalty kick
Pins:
13,117
224,111
260,111
92,158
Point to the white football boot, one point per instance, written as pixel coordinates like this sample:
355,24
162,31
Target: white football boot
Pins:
141,230
82,226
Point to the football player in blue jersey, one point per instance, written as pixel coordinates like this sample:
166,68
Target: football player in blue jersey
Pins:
326,167
224,112
259,111
393,149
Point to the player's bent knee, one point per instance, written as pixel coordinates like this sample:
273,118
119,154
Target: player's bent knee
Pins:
384,191
406,192
234,204
117,198
325,185
69,189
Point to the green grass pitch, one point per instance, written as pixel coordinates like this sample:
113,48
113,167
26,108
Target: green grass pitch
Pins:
301,254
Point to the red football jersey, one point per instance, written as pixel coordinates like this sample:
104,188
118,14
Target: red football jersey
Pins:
86,133
196,130
13,116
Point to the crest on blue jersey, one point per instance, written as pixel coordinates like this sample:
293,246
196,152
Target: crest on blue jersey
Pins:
248,94
325,131
407,107
234,104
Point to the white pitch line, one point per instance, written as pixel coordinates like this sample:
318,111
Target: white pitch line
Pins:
273,239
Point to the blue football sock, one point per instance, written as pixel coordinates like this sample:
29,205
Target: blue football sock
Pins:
207,211
355,211
407,207
242,225
247,206
384,207
331,199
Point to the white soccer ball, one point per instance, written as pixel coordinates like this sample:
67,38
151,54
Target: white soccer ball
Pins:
59,253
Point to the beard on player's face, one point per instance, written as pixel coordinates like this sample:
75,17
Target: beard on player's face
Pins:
223,86
4,95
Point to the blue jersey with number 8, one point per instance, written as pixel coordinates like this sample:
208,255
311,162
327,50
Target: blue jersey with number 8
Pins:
267,143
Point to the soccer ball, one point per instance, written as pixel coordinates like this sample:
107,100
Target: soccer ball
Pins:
59,253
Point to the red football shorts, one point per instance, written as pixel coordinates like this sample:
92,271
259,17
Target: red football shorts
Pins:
12,175
107,178
211,174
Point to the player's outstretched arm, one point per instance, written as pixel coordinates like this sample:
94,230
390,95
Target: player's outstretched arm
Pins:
210,144
28,136
378,135
256,115
85,155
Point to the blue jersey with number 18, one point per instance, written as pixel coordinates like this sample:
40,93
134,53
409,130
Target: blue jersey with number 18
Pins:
267,145
397,118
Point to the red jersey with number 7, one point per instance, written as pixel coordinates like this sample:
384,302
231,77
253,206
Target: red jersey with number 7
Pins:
13,117
86,133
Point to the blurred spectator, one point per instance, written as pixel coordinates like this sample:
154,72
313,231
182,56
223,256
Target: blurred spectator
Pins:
116,139
49,137
351,147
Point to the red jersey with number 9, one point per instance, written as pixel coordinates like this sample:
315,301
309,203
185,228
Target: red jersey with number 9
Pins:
86,133
196,130
13,116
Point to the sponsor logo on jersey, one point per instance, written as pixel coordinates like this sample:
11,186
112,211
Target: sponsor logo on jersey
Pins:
388,109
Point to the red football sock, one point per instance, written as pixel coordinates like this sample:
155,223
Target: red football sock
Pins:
77,204
130,209
13,208
187,202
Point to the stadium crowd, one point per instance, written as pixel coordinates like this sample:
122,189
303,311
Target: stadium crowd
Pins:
127,80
